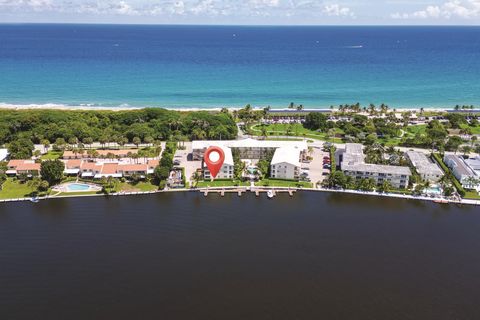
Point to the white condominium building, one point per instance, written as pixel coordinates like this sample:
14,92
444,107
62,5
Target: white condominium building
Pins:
426,168
462,171
353,164
226,172
286,163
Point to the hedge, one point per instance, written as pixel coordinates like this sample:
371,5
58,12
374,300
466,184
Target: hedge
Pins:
447,171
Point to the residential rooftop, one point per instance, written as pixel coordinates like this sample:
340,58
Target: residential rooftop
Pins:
248,143
460,165
354,160
423,165
287,155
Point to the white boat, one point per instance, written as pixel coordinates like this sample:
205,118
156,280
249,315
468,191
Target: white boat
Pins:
270,194
34,199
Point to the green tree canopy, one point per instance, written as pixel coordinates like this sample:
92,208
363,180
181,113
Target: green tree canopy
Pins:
52,171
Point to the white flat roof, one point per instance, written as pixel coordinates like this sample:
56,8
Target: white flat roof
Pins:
248,143
287,155
423,165
3,154
72,171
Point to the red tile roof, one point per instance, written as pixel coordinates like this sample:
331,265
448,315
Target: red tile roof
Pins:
109,168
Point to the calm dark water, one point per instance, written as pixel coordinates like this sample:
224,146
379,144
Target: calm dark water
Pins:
181,256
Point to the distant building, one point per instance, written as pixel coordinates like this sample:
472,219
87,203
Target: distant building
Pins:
462,171
122,153
3,154
353,164
99,169
286,163
474,164
426,168
247,148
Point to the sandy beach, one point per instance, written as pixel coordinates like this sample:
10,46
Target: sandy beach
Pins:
53,106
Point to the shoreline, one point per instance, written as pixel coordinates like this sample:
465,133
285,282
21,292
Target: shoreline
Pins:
263,189
52,106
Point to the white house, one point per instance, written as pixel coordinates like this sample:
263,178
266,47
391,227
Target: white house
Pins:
285,163
426,168
462,171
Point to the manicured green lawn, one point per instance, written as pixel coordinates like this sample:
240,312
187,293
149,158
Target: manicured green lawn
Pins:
475,130
140,186
473,195
145,186
221,183
413,130
14,190
296,130
283,183
51,155
284,139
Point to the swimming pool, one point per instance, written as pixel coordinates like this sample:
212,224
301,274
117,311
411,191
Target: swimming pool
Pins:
435,190
77,187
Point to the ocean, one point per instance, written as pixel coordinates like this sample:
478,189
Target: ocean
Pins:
231,66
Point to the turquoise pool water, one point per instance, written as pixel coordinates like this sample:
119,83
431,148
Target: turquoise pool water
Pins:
76,187
434,190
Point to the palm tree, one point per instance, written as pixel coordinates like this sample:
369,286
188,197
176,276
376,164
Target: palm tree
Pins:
473,139
46,144
264,131
386,186
466,150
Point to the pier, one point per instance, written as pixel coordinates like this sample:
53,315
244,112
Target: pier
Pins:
241,190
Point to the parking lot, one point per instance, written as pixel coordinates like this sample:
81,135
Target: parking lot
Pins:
315,168
189,165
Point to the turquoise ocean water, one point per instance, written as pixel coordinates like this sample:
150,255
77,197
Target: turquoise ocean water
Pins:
206,67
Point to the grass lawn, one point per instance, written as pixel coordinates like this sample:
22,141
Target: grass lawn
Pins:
145,186
284,139
221,183
473,195
141,186
475,130
14,190
283,183
296,130
390,141
413,130
51,155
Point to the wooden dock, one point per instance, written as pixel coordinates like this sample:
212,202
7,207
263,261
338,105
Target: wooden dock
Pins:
241,190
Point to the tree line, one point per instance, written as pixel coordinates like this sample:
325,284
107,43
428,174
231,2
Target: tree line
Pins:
23,128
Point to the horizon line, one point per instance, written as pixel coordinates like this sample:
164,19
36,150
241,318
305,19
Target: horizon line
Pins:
239,25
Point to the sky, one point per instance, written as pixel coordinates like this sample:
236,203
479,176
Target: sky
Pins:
246,12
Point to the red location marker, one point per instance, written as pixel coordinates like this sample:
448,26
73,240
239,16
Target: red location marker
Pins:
214,157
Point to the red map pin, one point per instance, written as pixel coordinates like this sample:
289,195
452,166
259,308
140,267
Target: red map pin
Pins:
214,157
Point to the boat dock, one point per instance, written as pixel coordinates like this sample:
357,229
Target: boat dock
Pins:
241,190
